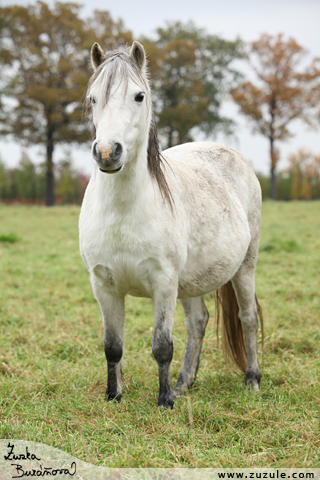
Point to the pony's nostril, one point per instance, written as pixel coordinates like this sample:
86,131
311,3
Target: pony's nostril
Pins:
117,151
95,149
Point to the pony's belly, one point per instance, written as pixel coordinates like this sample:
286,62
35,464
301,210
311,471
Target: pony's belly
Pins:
206,280
214,265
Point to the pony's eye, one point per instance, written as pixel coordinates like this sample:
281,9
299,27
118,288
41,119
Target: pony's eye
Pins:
139,97
93,101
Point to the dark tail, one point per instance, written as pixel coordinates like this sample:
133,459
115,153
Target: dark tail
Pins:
227,314
260,317
233,342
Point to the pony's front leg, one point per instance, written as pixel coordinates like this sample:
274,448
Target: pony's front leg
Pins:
196,318
164,305
112,309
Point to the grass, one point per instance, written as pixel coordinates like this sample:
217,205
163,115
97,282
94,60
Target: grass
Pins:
9,238
53,370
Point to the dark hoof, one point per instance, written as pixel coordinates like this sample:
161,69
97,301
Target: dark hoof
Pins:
166,400
253,380
113,396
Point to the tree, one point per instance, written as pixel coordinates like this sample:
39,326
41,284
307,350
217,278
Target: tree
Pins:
44,53
304,168
25,183
4,181
25,179
190,74
282,94
70,188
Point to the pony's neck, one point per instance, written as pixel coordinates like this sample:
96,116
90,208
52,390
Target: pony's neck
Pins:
129,187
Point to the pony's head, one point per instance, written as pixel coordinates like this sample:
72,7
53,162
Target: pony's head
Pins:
120,97
123,122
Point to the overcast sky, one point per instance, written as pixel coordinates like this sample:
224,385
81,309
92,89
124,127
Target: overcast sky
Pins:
228,18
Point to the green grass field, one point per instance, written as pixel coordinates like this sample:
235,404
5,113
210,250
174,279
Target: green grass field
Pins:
53,369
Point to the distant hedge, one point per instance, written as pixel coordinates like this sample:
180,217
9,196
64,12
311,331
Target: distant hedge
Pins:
26,183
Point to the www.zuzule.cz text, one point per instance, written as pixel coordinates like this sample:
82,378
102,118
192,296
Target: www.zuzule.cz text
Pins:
260,475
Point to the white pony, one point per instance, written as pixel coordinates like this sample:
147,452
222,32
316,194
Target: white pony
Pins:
164,226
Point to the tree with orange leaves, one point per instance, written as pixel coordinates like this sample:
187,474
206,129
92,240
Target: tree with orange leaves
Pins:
304,168
283,93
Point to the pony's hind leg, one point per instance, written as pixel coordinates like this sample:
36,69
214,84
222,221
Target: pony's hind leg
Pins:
112,309
196,318
244,286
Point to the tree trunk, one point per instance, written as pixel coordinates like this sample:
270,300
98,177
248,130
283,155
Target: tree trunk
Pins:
49,173
273,175
273,184
169,143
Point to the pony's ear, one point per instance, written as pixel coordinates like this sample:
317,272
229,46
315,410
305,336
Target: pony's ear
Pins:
138,55
97,55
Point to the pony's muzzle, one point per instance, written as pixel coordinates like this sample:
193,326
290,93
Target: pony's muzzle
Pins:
107,155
